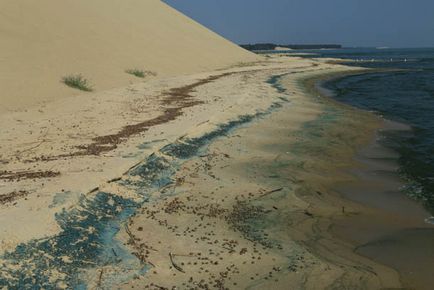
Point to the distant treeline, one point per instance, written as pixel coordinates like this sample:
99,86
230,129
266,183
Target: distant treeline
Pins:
272,46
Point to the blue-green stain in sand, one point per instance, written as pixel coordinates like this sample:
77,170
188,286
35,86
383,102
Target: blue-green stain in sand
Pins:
189,148
154,173
87,237
312,133
87,232
274,81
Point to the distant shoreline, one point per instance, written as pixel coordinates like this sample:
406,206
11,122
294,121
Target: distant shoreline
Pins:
271,46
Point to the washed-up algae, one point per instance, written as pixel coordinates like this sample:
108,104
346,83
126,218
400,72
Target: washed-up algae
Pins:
188,148
251,221
88,232
315,131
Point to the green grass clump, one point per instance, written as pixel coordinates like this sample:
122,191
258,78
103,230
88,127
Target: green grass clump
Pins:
140,73
77,82
136,72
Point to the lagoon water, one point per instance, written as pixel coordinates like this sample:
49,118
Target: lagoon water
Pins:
404,94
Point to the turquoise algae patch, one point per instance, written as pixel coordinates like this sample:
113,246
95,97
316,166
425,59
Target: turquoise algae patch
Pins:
87,239
87,232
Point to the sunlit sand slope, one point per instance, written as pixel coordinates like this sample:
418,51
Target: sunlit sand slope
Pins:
45,40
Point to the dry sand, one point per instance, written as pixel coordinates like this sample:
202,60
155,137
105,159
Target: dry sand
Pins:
96,137
43,41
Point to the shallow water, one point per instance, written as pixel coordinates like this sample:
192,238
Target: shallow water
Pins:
405,95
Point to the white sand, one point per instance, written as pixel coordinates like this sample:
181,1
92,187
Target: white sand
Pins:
43,41
55,130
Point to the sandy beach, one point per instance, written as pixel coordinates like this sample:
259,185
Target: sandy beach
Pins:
224,180
220,169
47,149
102,39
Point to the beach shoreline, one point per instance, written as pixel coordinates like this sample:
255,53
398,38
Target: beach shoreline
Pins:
394,230
330,226
311,225
238,198
44,217
97,138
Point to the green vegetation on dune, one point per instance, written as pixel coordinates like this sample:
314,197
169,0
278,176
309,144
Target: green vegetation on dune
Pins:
77,82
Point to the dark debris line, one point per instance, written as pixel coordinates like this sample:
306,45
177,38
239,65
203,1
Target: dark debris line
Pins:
176,99
87,238
20,175
13,196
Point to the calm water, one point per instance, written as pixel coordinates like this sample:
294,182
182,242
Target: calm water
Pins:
406,96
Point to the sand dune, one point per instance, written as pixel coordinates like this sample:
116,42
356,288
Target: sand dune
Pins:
42,41
216,173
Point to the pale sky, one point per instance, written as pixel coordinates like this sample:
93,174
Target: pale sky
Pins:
393,23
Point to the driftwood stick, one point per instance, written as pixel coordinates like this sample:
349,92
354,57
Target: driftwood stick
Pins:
202,123
270,192
130,234
94,190
114,179
100,277
114,252
174,264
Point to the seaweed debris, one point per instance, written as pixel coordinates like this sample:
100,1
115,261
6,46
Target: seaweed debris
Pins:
246,219
87,238
13,196
175,101
274,81
87,233
20,175
188,148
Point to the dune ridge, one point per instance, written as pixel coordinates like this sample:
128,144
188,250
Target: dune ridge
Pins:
43,41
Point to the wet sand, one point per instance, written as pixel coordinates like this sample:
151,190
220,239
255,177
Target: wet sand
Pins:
393,232
392,228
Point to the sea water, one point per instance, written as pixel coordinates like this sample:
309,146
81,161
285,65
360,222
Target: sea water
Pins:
403,93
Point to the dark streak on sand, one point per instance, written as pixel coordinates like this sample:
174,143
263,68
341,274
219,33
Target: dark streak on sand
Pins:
20,175
13,196
176,99
87,238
